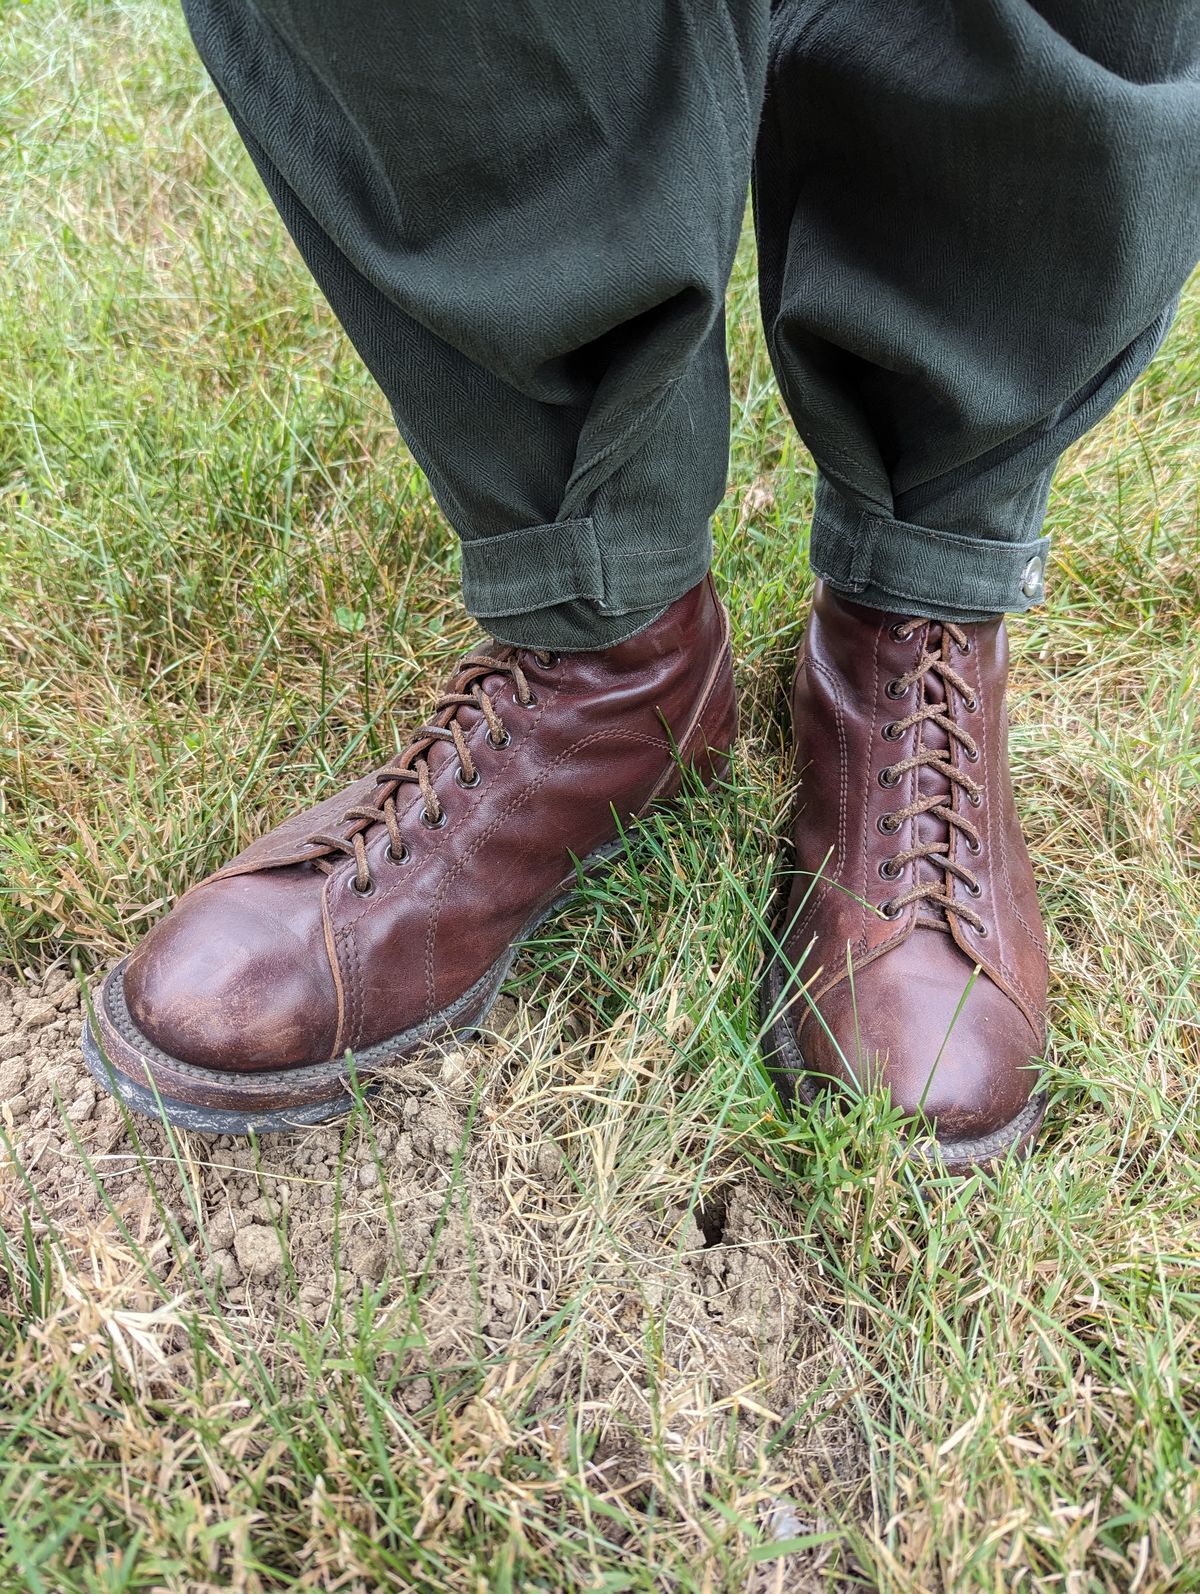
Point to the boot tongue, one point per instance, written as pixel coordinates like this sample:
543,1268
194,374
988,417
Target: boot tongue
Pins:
930,781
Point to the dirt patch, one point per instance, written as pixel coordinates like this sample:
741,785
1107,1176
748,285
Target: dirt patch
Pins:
480,1204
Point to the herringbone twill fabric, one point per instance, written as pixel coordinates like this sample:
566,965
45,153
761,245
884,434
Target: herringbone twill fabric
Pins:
974,217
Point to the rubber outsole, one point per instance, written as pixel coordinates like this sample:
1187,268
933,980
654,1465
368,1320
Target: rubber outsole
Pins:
208,1120
796,1081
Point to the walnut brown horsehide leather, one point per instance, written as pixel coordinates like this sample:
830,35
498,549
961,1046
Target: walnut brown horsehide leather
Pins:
389,915
909,953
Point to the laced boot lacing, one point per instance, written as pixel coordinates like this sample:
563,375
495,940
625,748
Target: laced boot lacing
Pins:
412,766
935,893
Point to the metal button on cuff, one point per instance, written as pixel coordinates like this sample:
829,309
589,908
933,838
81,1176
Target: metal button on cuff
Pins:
1031,579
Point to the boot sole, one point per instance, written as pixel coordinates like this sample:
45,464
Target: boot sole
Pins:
269,1101
796,1083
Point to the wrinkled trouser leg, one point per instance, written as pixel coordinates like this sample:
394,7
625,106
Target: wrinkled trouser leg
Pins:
525,217
974,218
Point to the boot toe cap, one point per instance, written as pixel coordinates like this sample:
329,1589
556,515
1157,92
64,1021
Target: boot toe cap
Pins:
953,1050
232,980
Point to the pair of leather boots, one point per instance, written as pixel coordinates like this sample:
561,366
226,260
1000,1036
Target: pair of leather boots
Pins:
907,952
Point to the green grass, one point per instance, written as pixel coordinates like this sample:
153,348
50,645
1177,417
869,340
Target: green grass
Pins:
222,583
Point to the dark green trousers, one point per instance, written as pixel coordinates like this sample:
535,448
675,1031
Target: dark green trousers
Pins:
974,218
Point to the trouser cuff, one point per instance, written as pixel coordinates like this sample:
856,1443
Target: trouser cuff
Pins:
901,567
558,586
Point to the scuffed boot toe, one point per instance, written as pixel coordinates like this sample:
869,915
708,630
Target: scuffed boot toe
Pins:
231,981
950,1049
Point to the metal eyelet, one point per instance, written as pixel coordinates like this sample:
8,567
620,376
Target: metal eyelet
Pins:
889,829
363,891
974,800
890,910
530,701
389,852
892,731
894,689
974,890
971,703
546,660
467,785
889,869
901,633
971,757
498,747
982,932
974,847
888,777
434,824
967,647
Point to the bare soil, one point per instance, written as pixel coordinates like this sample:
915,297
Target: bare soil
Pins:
467,1215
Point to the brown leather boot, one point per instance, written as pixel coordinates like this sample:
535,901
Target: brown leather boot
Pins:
911,874
389,915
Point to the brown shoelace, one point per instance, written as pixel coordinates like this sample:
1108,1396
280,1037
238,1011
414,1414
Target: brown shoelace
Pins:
412,766
936,893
